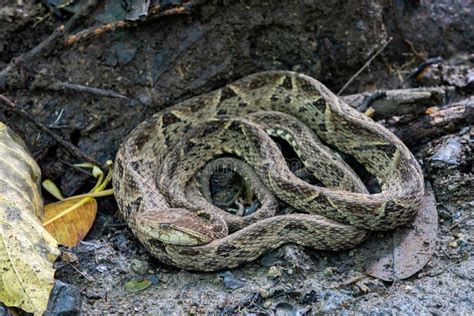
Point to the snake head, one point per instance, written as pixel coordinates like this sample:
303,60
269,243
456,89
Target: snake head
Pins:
176,226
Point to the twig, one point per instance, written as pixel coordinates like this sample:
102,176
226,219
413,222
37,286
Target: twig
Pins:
367,64
154,14
67,145
75,167
369,99
57,85
443,270
84,274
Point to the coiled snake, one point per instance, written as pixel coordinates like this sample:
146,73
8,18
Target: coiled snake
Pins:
159,196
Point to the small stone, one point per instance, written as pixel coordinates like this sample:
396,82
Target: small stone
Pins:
164,278
230,281
145,99
448,153
453,244
155,279
270,259
328,271
65,299
362,287
274,272
140,266
94,294
68,257
296,68
444,214
264,293
285,309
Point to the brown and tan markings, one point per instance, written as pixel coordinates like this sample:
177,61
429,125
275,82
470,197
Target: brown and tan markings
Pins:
159,195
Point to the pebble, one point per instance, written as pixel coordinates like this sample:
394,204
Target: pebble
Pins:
274,272
154,279
444,214
328,271
68,257
270,259
285,309
448,153
230,281
101,268
140,266
453,244
65,299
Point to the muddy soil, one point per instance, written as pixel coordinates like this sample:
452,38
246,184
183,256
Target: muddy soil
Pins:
162,61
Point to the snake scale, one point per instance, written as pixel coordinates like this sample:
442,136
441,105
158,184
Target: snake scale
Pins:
158,194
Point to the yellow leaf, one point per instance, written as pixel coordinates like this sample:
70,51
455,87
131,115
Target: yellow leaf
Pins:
75,220
27,250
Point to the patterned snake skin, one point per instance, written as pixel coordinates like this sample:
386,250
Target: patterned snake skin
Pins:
158,195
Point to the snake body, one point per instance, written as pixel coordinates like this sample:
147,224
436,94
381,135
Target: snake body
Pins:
158,195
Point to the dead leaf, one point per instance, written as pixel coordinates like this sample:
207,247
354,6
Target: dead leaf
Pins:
69,220
400,254
73,226
27,250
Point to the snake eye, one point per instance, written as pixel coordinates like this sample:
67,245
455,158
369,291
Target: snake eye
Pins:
204,215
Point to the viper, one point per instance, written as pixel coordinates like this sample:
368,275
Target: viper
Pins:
160,167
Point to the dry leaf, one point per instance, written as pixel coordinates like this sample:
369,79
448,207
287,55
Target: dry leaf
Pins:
69,220
402,253
27,250
73,226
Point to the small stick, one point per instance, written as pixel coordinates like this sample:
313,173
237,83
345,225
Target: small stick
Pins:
61,86
369,99
75,167
84,274
67,145
367,64
98,30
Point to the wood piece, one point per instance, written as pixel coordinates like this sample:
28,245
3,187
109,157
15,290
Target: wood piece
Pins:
388,103
437,122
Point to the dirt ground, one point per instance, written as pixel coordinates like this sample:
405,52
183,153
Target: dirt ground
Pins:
162,60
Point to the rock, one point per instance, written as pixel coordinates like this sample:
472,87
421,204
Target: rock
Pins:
332,301
230,281
328,271
448,153
271,259
444,214
285,309
453,244
274,272
3,310
65,299
310,297
139,266
154,279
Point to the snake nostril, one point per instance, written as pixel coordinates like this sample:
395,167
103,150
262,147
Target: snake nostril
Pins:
204,215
